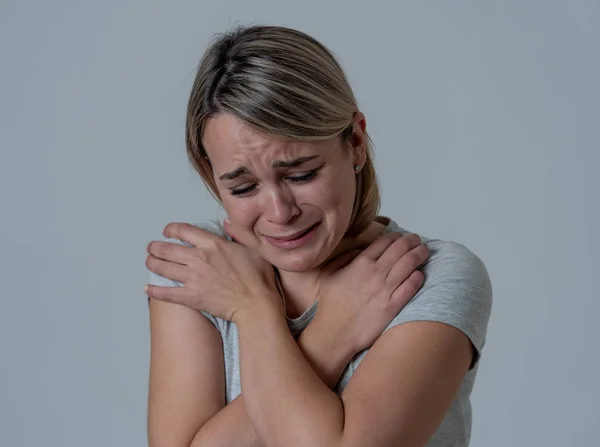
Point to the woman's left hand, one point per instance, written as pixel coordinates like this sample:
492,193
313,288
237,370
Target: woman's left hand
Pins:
218,276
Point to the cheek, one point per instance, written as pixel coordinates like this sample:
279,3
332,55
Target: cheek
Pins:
338,194
241,212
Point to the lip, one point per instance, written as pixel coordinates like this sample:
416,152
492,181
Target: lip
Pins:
293,236
296,240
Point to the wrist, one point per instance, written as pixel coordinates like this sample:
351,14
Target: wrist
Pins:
326,353
261,307
332,336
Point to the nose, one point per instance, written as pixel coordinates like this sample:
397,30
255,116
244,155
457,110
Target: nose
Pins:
281,206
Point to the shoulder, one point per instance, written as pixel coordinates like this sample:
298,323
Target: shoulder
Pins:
453,263
457,291
211,225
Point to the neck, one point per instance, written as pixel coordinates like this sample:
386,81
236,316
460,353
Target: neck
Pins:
300,288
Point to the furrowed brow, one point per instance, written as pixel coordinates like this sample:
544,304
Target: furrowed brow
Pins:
278,164
234,174
293,163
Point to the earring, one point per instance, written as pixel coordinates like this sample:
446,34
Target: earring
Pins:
357,168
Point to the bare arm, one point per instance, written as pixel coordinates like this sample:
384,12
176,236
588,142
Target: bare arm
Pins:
203,365
396,399
402,388
186,398
187,382
232,427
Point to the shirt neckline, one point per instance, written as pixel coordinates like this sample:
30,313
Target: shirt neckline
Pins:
299,323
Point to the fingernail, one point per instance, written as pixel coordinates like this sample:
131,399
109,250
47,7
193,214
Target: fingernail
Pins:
146,289
227,222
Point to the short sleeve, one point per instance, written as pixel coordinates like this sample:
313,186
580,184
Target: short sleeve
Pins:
157,280
457,291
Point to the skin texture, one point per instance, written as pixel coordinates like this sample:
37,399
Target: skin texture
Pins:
182,339
278,206
405,384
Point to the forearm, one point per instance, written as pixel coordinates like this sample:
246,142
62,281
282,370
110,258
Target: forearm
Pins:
232,427
285,400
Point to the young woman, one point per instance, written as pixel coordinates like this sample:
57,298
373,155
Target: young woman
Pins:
304,319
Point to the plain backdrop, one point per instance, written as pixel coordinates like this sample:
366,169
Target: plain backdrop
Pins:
485,118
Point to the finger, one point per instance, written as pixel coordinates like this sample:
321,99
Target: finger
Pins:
380,245
191,234
171,294
342,261
172,252
395,251
406,265
166,269
408,289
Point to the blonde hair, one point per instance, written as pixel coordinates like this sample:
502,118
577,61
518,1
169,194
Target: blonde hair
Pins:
284,83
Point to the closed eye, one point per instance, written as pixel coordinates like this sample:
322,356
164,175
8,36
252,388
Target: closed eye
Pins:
242,191
292,178
303,178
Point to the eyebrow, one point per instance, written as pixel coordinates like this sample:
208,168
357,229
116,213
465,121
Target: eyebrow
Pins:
278,164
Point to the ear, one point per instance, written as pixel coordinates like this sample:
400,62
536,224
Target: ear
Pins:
359,139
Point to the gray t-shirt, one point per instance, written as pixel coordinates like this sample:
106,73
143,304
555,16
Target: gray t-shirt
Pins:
457,291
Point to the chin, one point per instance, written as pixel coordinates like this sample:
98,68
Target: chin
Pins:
296,263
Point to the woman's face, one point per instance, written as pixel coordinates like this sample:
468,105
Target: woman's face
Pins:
290,200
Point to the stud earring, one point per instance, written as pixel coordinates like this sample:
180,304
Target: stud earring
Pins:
357,168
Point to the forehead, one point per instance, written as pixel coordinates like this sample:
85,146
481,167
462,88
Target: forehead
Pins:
230,143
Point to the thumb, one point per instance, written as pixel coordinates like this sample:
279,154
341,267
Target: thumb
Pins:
342,261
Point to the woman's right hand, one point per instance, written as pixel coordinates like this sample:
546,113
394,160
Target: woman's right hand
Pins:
360,293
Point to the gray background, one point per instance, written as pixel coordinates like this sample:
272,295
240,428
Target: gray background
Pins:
485,117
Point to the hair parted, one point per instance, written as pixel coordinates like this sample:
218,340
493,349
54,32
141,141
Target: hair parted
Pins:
284,83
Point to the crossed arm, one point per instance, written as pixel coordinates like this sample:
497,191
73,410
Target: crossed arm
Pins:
392,399
186,402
